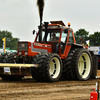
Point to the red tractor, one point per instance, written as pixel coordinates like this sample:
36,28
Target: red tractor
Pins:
53,55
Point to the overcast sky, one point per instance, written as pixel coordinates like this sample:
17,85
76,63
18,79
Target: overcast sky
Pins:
21,16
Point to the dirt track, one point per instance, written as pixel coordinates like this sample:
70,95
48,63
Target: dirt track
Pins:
31,90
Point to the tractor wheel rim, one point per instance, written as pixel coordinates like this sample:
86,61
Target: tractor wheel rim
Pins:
84,65
54,67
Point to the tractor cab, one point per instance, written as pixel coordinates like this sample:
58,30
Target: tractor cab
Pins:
55,38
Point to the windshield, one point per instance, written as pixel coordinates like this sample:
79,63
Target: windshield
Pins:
53,35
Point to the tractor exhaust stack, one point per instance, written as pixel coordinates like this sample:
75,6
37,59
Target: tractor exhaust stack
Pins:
46,33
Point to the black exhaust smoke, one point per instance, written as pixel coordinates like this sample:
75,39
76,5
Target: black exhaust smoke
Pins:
40,4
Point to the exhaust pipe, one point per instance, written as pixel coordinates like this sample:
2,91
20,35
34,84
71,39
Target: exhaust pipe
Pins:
40,32
46,31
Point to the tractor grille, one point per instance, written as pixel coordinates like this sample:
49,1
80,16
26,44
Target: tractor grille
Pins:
23,46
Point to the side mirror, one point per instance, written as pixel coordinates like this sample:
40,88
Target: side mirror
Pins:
66,31
33,32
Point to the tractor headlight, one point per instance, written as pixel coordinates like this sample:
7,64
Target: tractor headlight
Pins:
19,53
26,53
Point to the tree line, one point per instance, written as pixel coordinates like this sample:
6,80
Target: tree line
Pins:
11,42
94,39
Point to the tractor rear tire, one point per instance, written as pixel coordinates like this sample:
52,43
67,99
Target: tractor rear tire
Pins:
10,58
2,60
2,57
78,65
49,69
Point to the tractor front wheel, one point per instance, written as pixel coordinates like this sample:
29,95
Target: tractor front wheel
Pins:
49,69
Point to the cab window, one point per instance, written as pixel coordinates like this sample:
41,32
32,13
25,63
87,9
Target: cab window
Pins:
71,37
49,35
63,41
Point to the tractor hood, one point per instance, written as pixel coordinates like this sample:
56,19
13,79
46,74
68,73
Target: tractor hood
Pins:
39,47
31,49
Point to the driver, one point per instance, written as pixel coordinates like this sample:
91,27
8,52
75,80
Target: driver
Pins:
54,38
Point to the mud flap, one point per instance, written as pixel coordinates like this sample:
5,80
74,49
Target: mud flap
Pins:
95,66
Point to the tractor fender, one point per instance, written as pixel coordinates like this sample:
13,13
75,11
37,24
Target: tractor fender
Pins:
74,45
